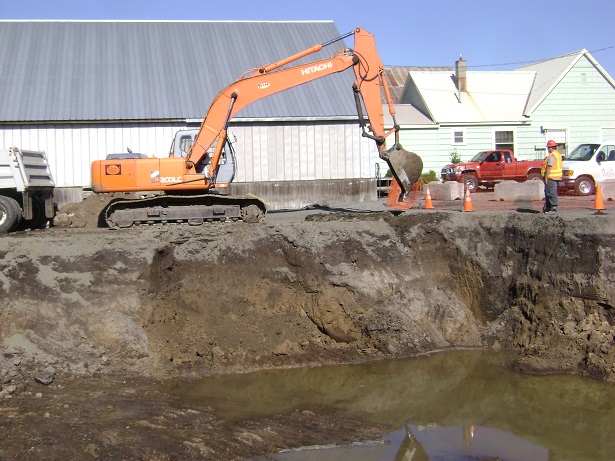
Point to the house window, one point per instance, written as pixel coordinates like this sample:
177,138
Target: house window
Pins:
459,137
505,140
607,133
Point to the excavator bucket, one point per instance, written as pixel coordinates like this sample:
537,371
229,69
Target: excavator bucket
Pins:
405,166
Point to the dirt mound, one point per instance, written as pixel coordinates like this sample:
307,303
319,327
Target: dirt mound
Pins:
89,213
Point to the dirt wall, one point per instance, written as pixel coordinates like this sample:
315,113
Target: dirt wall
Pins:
307,290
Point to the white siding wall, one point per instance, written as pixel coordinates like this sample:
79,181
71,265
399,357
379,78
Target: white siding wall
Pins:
305,151
72,148
425,143
272,152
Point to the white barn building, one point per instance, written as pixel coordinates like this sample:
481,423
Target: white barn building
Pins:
80,90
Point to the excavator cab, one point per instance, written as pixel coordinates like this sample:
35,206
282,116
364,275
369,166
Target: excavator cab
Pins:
227,165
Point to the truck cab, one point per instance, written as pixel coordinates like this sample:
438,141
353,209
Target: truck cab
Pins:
587,165
487,168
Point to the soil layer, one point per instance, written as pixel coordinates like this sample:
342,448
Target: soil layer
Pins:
92,318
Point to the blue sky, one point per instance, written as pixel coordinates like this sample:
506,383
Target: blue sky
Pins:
491,35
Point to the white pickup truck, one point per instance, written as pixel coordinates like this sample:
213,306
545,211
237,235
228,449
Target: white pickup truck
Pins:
588,165
26,190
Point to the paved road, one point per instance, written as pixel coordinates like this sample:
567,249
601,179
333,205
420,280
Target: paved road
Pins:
481,201
485,200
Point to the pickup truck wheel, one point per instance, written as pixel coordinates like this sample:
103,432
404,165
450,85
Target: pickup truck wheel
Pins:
10,214
534,177
584,186
471,181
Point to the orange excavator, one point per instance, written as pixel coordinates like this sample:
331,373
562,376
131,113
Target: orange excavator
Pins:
192,184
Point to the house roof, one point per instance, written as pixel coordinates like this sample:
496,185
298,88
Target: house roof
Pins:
491,97
406,114
136,70
551,71
398,75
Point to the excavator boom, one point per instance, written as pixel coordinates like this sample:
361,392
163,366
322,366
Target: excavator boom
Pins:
369,84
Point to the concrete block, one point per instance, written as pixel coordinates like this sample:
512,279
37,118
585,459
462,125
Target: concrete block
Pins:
449,190
608,189
510,191
294,195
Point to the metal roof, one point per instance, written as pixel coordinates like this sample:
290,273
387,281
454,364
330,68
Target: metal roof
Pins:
407,115
138,70
397,77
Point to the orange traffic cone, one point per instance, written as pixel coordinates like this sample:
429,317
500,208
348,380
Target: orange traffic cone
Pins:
428,204
598,202
467,202
395,193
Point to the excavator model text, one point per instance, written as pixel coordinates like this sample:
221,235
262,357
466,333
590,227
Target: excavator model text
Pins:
192,184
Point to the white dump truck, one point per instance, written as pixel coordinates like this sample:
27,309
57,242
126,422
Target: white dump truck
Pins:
26,190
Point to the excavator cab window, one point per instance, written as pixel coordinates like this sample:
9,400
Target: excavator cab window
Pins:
185,143
222,160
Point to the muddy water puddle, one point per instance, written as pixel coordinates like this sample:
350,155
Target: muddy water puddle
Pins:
462,405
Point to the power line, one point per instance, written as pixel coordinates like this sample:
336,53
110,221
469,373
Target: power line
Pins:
603,49
537,60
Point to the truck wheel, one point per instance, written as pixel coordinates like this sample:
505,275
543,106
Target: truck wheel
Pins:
10,214
584,186
471,181
534,177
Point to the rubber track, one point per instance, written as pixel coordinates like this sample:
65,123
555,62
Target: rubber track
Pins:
169,201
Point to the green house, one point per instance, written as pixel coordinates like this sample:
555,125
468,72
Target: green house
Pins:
446,110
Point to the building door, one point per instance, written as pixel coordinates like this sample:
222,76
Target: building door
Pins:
560,136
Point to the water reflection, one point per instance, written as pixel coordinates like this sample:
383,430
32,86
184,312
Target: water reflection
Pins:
573,418
431,443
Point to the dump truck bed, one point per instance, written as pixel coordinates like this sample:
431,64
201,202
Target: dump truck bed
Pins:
24,169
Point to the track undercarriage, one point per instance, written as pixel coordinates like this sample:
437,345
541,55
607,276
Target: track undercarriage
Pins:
190,209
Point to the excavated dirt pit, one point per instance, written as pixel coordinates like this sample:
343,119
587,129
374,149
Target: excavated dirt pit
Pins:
92,319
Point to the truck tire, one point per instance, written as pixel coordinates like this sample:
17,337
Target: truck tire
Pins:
10,214
534,177
584,185
471,182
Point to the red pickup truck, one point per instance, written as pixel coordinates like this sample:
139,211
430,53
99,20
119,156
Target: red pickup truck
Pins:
491,166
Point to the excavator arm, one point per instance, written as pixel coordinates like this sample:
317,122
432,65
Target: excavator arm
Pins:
267,80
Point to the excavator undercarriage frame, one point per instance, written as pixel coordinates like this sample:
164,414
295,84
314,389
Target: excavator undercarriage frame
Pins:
190,209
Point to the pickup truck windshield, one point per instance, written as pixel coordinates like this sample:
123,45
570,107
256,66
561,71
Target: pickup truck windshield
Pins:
478,157
583,152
